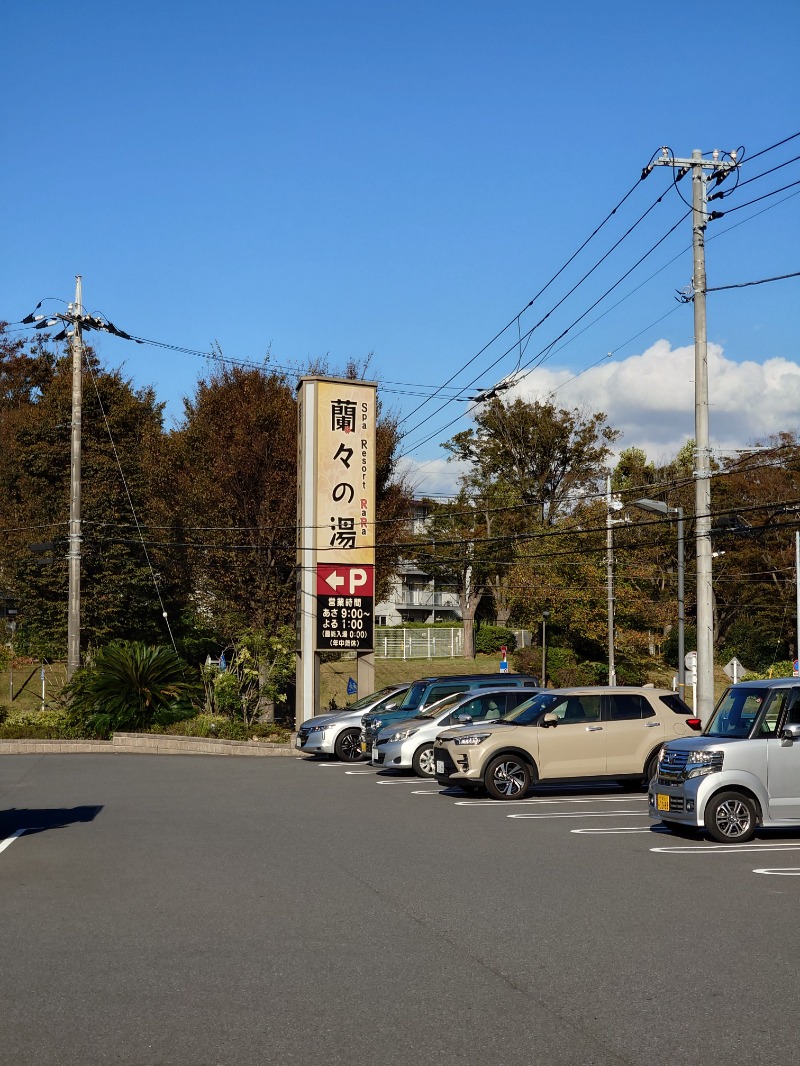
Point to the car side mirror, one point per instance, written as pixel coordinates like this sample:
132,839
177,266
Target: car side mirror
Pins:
463,718
789,734
548,719
389,706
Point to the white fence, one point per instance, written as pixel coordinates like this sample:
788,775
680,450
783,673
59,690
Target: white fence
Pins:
428,643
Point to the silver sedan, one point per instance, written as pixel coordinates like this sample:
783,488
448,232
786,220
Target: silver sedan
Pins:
408,745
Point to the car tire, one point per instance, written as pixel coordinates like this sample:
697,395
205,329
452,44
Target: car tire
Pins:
730,818
650,770
347,745
423,763
507,777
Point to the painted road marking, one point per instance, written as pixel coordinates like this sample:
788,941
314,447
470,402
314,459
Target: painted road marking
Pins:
623,829
357,773
581,814
725,849
427,792
563,799
780,871
10,840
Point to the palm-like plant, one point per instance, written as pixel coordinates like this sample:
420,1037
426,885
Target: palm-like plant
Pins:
130,685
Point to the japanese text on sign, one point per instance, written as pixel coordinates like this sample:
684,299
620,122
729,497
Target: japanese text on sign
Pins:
345,472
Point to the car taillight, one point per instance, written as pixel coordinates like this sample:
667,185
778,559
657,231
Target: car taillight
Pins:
694,723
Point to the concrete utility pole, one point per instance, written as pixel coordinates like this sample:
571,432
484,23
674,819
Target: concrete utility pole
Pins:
702,472
612,671
74,553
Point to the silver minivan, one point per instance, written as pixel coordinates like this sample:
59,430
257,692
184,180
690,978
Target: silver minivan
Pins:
742,772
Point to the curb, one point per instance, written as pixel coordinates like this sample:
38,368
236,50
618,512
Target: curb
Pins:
148,744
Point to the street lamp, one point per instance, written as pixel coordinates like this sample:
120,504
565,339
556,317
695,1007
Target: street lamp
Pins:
545,618
657,507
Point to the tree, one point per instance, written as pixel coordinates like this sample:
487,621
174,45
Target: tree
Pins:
528,464
549,455
121,431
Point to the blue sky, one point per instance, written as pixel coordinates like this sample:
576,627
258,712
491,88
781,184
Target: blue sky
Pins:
348,178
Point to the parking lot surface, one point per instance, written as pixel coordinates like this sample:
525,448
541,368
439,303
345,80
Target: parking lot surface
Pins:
194,911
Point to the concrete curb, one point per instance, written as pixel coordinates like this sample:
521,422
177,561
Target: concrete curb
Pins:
148,744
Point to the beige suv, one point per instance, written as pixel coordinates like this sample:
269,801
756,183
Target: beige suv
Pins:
565,733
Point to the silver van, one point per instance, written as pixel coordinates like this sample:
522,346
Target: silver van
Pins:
743,772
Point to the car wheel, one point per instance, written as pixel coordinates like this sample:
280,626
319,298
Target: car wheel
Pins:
347,745
507,777
423,762
650,770
730,818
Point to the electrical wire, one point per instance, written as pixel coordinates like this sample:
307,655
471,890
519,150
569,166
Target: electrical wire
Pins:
747,284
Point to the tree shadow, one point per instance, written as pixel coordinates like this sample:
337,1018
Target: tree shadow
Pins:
40,820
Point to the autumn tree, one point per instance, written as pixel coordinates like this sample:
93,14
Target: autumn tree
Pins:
121,430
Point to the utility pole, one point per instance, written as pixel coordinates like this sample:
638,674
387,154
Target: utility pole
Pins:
74,553
612,671
702,472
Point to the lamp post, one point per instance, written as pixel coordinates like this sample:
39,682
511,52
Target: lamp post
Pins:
657,507
545,618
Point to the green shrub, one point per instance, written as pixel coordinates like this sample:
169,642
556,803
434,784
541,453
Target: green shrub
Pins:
53,723
490,639
214,725
780,669
130,686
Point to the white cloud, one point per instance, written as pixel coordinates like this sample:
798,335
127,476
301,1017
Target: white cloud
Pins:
650,397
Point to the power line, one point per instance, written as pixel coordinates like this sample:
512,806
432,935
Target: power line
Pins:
762,281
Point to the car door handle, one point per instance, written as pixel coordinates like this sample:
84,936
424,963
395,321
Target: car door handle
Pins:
653,725
593,728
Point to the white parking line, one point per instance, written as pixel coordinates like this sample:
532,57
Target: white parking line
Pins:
581,814
624,829
10,840
561,799
780,871
357,773
427,792
725,849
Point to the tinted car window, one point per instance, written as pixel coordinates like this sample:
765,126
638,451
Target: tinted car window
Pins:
736,712
438,691
676,704
629,706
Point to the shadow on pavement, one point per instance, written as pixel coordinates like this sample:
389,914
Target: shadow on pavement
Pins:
39,821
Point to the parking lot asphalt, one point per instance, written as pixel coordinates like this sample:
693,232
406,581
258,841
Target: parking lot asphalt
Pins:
200,911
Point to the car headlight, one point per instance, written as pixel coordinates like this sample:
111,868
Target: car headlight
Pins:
700,763
472,739
318,728
402,734
373,724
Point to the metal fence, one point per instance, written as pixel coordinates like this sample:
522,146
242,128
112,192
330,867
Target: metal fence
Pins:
425,643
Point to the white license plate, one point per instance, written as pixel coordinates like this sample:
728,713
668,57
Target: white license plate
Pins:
439,766
374,752
298,743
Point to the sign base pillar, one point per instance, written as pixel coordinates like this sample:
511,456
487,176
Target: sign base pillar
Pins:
365,662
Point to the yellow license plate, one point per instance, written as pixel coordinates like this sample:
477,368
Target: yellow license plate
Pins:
363,747
662,802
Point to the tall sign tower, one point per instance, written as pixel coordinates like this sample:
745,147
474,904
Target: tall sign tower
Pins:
336,465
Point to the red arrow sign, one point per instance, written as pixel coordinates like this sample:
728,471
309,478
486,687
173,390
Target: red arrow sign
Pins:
345,580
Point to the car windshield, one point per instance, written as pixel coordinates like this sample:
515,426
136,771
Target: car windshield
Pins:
413,697
736,712
530,710
442,706
373,699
